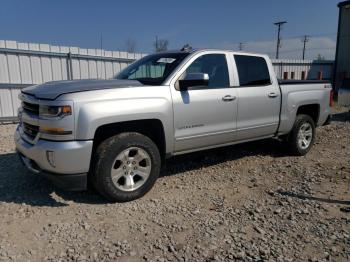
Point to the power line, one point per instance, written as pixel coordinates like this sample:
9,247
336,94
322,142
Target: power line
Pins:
310,49
279,24
311,36
156,43
247,43
286,37
305,40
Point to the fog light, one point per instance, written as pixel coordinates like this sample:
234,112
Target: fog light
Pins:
50,155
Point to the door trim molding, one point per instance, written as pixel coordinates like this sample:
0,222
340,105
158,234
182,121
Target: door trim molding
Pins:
204,135
223,132
254,127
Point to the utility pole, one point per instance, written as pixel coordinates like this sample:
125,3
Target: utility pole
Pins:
305,40
156,43
240,47
279,24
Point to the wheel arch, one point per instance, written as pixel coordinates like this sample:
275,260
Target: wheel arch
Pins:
312,110
152,128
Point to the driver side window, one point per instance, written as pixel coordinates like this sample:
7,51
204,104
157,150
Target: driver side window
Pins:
215,66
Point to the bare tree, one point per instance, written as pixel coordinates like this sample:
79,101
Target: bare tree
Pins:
161,45
131,45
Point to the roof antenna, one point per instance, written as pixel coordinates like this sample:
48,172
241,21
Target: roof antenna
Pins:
186,48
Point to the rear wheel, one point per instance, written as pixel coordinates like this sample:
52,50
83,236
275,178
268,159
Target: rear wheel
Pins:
126,166
302,136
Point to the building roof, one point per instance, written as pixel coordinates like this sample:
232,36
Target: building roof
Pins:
341,4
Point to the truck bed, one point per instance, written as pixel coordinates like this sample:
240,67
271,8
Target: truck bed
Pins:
297,93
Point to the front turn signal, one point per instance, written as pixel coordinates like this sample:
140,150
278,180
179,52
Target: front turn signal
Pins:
54,131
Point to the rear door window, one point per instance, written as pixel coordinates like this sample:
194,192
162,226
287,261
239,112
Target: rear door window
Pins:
252,70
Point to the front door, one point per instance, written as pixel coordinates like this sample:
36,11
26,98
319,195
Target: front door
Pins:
205,115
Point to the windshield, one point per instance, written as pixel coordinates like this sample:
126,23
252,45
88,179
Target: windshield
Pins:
152,69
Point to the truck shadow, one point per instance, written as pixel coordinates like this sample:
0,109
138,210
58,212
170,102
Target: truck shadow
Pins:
341,117
197,160
17,185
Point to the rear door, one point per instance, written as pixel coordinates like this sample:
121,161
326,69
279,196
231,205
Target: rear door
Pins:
258,98
205,116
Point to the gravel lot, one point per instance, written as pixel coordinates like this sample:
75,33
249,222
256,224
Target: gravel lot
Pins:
250,202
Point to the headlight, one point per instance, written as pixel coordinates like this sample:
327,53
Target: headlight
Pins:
54,111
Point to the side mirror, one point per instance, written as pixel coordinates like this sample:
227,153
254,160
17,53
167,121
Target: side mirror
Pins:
193,79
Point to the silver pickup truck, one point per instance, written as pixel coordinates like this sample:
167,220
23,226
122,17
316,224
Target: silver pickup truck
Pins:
115,134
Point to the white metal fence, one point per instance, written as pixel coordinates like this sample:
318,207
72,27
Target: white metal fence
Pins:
303,69
23,64
27,63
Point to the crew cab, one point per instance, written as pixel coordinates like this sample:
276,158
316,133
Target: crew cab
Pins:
115,134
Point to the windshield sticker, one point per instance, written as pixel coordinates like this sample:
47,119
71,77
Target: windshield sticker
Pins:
166,60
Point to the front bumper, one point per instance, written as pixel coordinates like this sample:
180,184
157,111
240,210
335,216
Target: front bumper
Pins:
69,165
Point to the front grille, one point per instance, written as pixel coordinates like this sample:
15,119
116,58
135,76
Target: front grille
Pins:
30,130
30,108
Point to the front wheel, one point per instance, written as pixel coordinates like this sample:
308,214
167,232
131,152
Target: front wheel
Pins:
302,136
126,167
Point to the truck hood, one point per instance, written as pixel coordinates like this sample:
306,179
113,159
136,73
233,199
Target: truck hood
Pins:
52,90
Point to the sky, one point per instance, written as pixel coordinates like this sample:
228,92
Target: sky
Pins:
202,24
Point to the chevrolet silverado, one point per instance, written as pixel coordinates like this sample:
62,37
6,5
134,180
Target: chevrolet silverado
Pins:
116,133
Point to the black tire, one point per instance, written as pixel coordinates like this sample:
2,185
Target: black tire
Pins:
105,156
292,139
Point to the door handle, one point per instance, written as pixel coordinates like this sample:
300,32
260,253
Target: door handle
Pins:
228,98
272,95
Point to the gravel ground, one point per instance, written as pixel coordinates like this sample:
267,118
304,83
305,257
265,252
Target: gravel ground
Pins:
250,202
